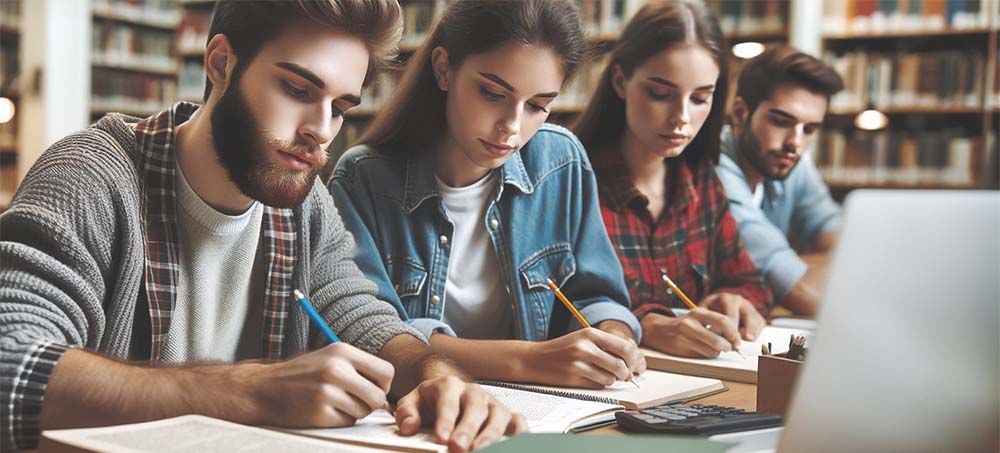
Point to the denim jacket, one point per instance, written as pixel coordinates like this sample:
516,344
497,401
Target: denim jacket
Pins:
544,222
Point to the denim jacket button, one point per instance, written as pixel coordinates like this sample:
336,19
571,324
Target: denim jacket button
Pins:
444,240
435,300
494,224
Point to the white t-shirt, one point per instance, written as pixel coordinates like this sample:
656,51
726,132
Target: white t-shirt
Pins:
220,286
475,304
758,194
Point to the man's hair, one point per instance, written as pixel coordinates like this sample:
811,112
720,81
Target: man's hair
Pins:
781,65
251,24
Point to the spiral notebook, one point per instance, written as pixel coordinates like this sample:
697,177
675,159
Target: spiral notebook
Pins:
655,388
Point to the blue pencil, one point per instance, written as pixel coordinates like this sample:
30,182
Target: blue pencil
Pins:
316,319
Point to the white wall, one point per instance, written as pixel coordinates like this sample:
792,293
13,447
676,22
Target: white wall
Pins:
55,74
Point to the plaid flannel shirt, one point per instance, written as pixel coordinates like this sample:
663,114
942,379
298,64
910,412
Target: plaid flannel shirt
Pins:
695,240
155,137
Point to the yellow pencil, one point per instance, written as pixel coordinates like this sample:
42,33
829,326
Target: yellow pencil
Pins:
569,305
686,299
576,313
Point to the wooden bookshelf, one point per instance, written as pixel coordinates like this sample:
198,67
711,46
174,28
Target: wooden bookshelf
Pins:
159,24
602,23
931,70
133,67
903,34
10,50
192,35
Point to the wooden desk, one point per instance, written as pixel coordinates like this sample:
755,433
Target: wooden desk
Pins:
740,395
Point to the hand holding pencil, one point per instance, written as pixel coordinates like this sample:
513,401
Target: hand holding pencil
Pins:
625,353
691,305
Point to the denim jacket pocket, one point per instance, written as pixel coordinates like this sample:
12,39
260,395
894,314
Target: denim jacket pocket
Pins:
408,278
555,262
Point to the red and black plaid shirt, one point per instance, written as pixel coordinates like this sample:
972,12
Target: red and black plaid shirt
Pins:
695,239
155,138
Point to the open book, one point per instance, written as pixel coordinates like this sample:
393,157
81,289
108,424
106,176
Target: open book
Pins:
185,433
728,365
655,388
544,414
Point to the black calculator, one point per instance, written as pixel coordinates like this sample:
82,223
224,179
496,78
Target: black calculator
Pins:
695,419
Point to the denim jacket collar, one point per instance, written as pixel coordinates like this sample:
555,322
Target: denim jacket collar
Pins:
420,183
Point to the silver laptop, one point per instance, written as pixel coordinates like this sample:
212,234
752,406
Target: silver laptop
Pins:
907,351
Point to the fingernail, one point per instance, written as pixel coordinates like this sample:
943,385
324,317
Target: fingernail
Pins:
462,440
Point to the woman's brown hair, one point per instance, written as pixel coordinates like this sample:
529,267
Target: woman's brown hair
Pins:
656,27
415,114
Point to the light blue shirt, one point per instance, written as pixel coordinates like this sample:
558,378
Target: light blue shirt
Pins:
798,208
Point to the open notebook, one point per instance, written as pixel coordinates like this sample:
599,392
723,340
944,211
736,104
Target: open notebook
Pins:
728,365
544,414
655,388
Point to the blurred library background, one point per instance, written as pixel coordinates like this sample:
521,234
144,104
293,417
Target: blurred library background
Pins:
921,108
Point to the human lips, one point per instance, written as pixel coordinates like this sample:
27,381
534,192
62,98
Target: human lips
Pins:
496,148
297,161
674,139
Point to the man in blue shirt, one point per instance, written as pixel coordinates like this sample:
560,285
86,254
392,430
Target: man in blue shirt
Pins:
787,219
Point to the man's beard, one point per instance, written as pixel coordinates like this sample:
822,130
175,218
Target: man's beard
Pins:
747,147
240,147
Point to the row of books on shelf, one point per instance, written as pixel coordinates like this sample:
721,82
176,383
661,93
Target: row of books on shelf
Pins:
128,45
10,12
8,135
9,67
993,98
901,157
191,81
747,17
608,17
872,16
418,16
130,93
192,31
927,80
160,13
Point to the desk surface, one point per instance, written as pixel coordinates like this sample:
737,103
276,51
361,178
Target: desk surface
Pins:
739,395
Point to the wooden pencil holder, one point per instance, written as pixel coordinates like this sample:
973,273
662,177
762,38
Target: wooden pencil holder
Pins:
776,377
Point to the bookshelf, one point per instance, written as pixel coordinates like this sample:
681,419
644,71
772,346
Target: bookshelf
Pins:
133,67
932,67
192,35
763,21
10,37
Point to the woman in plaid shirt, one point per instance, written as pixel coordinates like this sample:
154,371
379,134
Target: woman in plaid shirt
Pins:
652,132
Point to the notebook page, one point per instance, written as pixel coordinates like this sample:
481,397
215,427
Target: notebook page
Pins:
550,413
378,428
777,336
655,387
188,433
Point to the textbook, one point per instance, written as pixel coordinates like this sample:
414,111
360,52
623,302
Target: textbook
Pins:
655,388
544,413
728,365
184,433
